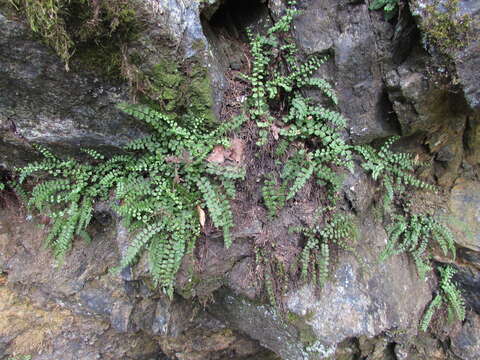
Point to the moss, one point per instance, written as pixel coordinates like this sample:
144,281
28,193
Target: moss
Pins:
305,333
444,28
104,60
93,31
91,35
181,89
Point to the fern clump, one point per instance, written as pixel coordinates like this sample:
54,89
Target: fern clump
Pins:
158,188
390,7
67,194
274,195
412,233
340,231
393,169
304,120
449,295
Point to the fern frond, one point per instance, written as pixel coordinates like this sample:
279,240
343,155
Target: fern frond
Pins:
140,241
301,179
218,207
427,317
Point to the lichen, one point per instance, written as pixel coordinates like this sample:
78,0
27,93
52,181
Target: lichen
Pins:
445,28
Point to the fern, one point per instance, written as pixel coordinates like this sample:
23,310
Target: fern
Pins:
317,126
448,294
389,7
412,234
339,231
432,308
301,179
453,297
218,207
155,187
273,195
394,170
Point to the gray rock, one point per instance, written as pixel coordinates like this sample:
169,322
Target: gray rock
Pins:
123,317
43,103
424,109
358,301
469,281
465,214
472,139
52,333
469,256
348,32
97,301
467,57
467,63
466,340
120,316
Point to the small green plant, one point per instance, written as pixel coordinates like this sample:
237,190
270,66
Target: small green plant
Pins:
315,257
284,82
159,187
21,357
412,233
320,151
390,7
449,295
445,28
274,195
393,169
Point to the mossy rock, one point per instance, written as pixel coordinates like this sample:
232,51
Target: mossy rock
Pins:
181,88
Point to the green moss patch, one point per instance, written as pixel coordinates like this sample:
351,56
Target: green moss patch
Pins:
181,89
444,28
90,31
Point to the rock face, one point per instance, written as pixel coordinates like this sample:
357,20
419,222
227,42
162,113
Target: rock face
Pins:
41,102
122,309
359,300
56,333
349,33
465,208
186,53
465,57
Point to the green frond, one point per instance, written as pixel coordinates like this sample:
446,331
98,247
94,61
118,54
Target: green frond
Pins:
274,196
339,231
94,154
412,234
138,244
449,295
301,179
218,207
432,308
155,188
